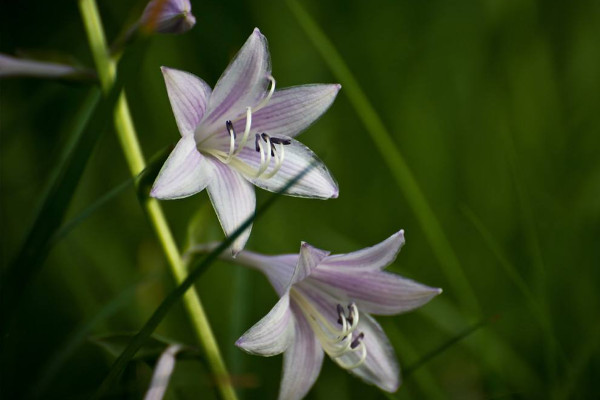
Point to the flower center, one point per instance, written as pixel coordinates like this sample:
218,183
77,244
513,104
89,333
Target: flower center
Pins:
337,341
272,148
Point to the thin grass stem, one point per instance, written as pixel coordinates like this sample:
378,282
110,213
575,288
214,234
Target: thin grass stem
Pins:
133,154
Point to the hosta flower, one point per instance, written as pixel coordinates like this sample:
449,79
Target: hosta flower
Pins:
325,306
241,134
168,16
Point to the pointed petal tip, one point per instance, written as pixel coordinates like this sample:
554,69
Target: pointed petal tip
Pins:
256,31
336,193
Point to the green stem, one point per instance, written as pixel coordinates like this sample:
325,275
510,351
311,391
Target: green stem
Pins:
129,142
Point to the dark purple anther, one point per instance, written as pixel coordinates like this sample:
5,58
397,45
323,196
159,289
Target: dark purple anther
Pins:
256,146
230,129
340,311
356,342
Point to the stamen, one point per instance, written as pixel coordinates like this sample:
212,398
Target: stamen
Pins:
278,159
246,131
361,360
266,100
264,161
232,135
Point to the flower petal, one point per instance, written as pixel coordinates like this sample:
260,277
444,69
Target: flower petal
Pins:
243,84
185,172
292,110
380,367
188,95
309,258
273,334
301,362
278,269
234,201
316,181
376,292
371,258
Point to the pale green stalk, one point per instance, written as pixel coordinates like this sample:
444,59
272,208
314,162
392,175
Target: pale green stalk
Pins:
106,68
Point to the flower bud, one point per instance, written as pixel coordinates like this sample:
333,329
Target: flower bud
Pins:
168,16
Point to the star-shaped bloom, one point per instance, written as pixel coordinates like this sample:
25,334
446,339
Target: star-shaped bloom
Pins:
324,307
242,134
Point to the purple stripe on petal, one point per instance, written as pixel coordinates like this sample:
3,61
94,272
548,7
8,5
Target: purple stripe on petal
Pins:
371,258
243,84
234,201
380,292
185,172
302,361
292,110
188,95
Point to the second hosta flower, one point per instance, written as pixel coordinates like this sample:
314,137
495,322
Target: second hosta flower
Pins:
324,307
241,134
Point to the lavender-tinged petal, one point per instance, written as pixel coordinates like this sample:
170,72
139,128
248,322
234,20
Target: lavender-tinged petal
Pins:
292,110
185,172
316,183
234,201
188,95
278,269
371,258
162,373
243,84
376,292
301,362
273,334
380,368
309,258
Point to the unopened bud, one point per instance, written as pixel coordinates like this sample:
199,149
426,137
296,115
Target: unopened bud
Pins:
168,16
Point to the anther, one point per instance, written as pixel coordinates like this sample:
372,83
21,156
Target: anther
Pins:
229,126
256,143
282,141
356,342
341,316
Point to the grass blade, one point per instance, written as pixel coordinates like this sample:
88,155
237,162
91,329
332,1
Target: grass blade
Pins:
394,159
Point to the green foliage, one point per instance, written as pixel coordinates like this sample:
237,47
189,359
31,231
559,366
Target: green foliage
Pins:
493,108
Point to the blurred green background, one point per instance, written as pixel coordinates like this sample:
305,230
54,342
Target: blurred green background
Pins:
494,105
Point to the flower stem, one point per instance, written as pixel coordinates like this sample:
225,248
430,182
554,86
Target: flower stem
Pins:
127,136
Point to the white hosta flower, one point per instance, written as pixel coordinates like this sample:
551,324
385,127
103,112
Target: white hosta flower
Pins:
242,134
325,306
